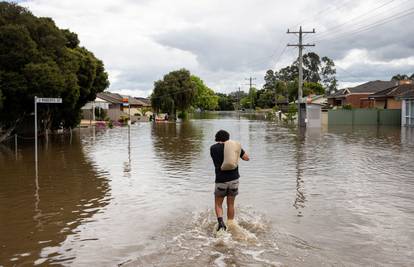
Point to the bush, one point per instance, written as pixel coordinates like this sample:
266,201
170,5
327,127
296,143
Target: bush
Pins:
183,115
347,106
291,113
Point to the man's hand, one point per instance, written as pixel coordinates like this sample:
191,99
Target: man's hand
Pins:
245,157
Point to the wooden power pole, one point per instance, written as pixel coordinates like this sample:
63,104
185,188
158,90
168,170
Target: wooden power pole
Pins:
300,45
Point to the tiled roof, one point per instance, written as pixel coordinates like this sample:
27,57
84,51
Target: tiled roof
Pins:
372,87
395,91
117,98
408,93
339,93
145,101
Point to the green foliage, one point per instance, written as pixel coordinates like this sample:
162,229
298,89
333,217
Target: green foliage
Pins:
265,98
176,91
347,106
245,102
39,59
328,72
205,98
183,115
291,113
312,88
224,102
399,77
318,75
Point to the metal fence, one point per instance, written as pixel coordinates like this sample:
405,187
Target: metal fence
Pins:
364,117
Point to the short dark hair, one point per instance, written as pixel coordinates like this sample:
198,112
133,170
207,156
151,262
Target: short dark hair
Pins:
222,136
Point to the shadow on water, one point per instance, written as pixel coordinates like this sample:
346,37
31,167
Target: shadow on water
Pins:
39,210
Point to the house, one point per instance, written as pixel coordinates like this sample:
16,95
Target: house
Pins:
145,101
117,110
99,104
357,96
407,111
390,98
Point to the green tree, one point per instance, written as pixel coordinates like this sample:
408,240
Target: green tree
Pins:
224,102
315,71
205,98
311,67
265,98
245,102
328,72
39,59
399,77
176,91
311,88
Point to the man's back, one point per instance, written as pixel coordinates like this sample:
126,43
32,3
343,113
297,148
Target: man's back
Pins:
217,154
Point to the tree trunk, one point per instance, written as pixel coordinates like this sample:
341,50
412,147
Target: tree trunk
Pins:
4,135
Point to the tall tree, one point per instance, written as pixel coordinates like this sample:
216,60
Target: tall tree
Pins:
328,72
311,67
205,98
399,77
39,59
176,91
315,70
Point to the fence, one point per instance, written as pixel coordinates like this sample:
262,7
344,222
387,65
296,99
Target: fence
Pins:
364,117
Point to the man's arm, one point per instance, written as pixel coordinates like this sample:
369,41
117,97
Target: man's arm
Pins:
244,155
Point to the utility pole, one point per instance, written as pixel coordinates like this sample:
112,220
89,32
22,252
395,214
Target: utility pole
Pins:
238,103
300,45
250,79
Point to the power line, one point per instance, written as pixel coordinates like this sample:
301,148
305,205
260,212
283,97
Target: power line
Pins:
357,18
370,26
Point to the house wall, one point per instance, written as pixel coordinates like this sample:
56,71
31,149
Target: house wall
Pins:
134,110
355,100
393,104
333,101
114,112
380,104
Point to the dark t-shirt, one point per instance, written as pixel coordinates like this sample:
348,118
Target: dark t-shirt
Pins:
217,154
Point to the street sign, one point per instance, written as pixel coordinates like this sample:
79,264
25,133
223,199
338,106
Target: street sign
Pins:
49,100
125,101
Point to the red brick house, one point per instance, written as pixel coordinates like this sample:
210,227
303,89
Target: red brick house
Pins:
390,98
357,96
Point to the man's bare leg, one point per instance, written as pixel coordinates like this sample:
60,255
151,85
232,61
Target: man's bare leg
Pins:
219,212
219,206
230,207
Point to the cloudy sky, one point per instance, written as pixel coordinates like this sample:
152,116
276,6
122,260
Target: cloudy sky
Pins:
225,42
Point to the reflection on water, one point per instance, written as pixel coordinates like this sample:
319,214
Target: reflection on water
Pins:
142,196
300,199
40,206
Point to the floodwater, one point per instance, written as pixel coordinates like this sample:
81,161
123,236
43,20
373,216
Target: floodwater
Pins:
324,197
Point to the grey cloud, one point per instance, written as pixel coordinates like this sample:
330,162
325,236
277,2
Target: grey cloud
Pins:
222,51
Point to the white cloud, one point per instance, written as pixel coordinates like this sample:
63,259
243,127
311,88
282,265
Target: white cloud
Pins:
226,41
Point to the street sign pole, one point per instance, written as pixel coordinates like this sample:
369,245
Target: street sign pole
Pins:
35,121
46,101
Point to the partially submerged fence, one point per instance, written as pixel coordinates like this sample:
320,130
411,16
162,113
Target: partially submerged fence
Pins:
364,117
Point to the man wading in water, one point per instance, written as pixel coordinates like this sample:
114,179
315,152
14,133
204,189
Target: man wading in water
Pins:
227,175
